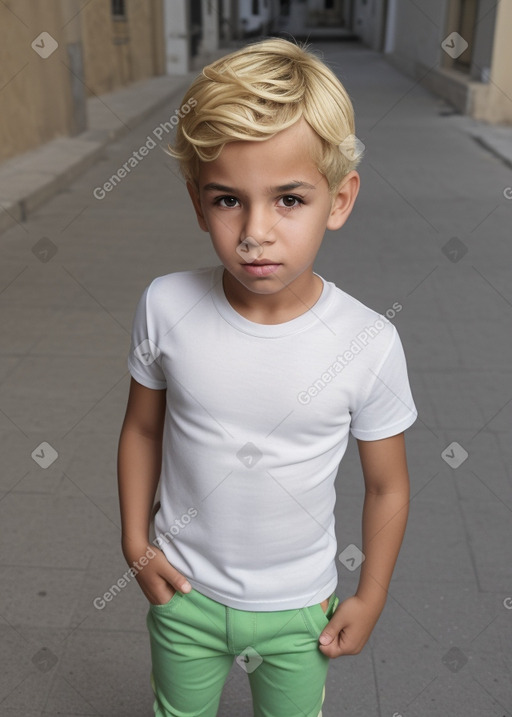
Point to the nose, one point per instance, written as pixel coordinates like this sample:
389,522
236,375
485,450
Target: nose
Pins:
258,226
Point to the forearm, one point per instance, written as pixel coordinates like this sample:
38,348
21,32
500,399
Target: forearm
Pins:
383,528
138,467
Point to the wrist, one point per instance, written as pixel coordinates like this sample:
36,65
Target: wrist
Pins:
134,546
374,601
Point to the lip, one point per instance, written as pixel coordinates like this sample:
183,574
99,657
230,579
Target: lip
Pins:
261,269
261,262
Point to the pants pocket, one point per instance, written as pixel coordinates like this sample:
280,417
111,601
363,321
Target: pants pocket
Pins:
316,619
333,603
169,605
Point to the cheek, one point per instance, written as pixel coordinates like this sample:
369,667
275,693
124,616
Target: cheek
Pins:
311,221
223,228
209,217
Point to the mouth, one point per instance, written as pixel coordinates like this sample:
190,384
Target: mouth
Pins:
263,262
261,268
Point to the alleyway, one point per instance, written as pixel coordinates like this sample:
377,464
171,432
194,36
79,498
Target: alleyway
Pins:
430,232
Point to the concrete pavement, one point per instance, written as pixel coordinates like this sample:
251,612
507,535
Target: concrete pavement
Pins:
29,180
431,231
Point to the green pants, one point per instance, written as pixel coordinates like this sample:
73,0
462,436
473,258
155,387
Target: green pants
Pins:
195,639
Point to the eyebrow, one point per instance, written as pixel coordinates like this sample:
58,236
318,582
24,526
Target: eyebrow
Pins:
215,187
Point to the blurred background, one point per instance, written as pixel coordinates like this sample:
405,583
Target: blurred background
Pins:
103,46
92,209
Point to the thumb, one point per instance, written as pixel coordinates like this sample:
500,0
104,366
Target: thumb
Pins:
326,638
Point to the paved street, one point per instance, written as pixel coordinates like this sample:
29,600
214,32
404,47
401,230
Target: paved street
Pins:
430,231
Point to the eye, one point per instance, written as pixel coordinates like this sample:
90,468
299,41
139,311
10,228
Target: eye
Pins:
290,201
226,202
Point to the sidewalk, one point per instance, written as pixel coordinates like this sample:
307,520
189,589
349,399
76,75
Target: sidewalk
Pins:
29,180
431,232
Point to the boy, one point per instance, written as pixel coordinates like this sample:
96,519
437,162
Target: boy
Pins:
246,380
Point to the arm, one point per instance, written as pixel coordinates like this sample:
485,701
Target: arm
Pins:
385,511
138,466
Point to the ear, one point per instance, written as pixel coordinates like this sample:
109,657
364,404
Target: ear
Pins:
196,201
343,200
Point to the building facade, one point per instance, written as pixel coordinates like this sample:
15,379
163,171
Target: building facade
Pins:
198,27
460,49
54,55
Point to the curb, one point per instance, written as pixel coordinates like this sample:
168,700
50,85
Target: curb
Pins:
29,180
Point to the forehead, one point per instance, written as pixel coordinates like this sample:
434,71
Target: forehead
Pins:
290,153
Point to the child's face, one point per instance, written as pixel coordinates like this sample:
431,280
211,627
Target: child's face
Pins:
271,194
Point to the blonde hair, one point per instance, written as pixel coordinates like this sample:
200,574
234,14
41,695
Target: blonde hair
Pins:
254,93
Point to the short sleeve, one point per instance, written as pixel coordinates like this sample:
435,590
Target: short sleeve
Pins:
144,359
389,407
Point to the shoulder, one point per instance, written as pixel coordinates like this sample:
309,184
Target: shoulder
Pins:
362,322
178,288
176,280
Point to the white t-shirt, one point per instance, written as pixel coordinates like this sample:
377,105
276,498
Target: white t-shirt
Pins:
257,422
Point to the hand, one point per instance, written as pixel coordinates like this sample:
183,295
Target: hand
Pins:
157,579
349,628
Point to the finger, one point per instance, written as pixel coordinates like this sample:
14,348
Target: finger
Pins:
343,645
335,642
331,632
177,580
335,649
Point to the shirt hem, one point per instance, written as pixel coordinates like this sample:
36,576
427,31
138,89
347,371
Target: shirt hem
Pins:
268,605
386,432
144,380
